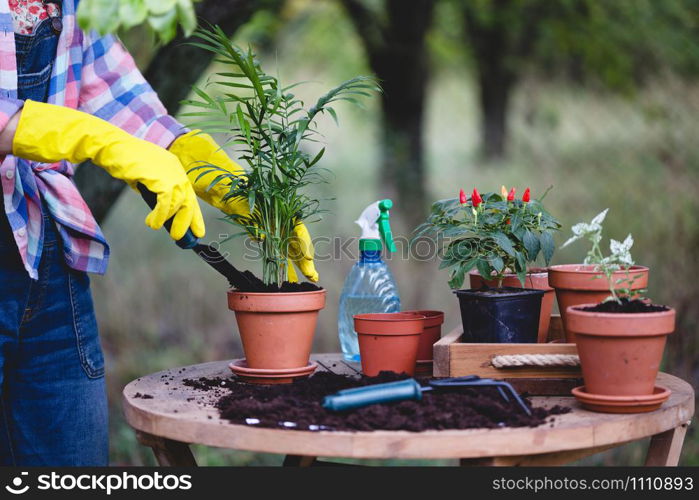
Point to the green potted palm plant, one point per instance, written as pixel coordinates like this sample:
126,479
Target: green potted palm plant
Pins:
620,338
268,126
495,234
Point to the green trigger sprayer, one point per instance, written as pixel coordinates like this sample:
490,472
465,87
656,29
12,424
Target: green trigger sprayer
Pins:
369,287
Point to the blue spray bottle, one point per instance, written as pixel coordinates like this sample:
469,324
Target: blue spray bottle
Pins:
369,287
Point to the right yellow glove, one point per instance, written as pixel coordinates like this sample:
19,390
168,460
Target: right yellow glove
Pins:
196,149
49,133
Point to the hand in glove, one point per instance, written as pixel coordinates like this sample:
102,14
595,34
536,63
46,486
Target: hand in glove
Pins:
49,133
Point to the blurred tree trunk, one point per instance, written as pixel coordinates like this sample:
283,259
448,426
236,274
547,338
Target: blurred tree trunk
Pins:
175,67
501,36
395,45
495,82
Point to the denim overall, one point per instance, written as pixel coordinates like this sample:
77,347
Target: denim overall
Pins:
53,404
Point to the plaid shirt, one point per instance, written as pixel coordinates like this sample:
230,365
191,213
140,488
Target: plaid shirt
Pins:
93,74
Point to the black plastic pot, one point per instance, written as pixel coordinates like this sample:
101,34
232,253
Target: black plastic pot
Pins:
500,315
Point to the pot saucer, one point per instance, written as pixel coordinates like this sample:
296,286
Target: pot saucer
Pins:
270,376
423,367
622,404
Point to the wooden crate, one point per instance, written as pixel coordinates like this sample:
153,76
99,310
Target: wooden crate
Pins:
453,358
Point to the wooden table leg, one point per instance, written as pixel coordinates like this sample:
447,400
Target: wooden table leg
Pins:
665,448
299,461
168,453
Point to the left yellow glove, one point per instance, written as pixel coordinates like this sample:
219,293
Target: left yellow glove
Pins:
49,133
194,149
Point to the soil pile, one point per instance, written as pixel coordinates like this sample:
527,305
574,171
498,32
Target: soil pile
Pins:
258,286
299,406
626,306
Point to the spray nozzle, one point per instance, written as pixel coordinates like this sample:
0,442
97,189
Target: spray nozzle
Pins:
375,225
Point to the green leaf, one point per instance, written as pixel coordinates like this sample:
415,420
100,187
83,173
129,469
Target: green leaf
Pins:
531,243
158,7
317,158
547,246
521,267
131,12
333,114
483,267
497,263
251,200
165,25
186,16
504,242
457,277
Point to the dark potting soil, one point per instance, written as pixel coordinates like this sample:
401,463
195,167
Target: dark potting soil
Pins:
626,306
299,406
505,290
257,285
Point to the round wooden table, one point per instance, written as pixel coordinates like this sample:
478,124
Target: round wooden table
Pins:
171,415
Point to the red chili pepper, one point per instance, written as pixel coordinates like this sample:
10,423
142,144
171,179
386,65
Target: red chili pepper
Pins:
526,196
511,196
476,198
462,197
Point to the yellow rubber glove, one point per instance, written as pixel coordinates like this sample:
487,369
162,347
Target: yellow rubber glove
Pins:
50,133
196,148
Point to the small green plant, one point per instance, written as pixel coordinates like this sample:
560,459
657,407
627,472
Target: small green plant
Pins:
268,125
494,233
618,259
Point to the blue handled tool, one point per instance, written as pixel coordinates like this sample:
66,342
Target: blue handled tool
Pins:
207,253
403,390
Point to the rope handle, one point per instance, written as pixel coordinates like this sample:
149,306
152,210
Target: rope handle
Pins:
544,360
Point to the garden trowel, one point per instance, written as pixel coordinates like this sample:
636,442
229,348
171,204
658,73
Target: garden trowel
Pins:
207,253
410,389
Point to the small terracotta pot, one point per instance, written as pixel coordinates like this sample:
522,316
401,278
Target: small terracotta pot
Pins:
620,353
431,333
388,341
577,284
276,328
538,280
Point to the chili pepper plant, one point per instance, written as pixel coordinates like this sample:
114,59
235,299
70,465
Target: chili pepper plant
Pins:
269,125
495,233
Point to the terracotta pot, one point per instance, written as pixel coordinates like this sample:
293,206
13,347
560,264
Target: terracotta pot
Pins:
431,333
620,353
538,280
388,341
577,284
276,328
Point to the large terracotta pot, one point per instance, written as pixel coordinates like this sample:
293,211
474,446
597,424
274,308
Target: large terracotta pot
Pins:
538,280
620,353
577,284
388,341
277,328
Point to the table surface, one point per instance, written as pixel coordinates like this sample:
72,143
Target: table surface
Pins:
179,413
